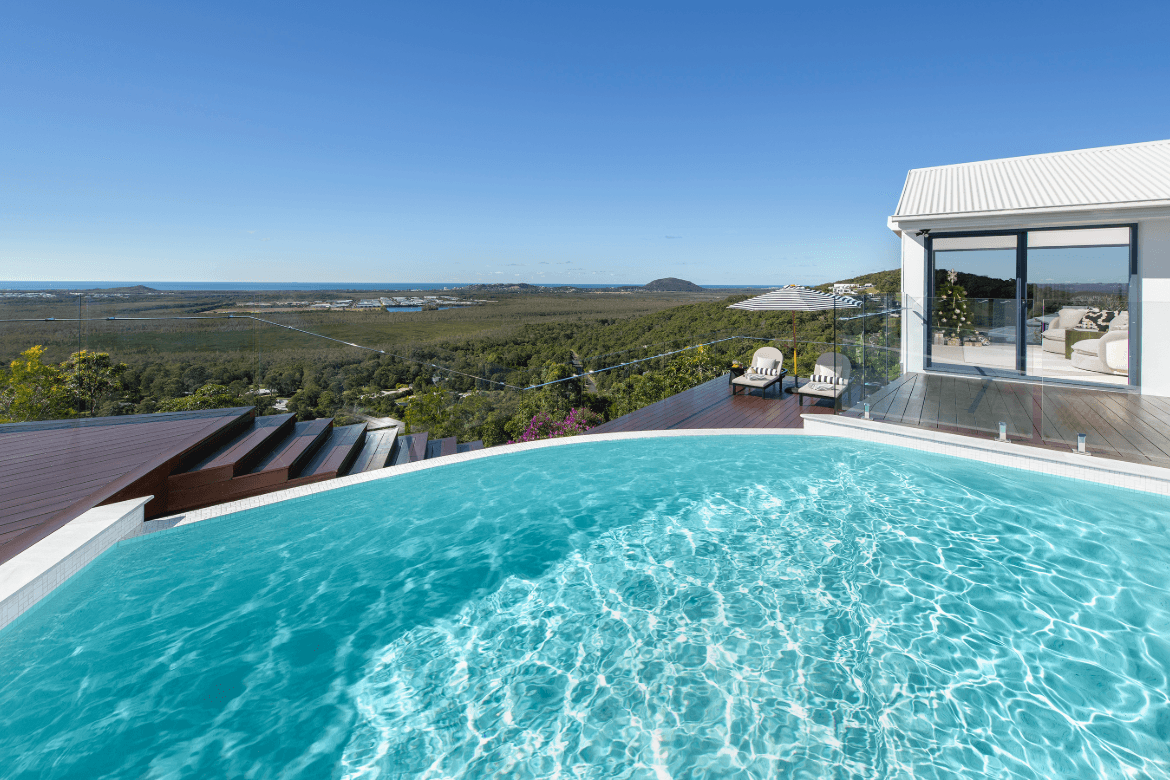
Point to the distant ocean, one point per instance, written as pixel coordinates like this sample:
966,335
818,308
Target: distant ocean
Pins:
246,286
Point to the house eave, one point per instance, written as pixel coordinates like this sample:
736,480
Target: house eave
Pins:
1017,218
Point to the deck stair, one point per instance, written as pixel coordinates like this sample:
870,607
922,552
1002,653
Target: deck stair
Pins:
259,455
409,449
237,456
335,455
58,469
277,452
282,459
376,451
437,448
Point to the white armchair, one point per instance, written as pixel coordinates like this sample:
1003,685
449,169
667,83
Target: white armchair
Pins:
1113,351
1106,355
1053,336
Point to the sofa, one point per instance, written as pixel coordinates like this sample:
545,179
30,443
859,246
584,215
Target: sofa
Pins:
1067,318
1106,355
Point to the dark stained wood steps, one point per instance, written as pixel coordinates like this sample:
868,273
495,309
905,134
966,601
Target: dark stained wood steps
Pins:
51,472
54,471
283,462
238,455
437,448
376,451
334,456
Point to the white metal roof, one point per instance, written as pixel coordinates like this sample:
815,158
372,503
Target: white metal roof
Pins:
1108,176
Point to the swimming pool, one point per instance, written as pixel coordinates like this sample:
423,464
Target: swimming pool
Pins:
677,607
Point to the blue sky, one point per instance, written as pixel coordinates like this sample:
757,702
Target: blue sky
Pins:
547,142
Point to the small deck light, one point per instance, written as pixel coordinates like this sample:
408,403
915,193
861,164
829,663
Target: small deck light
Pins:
1081,444
867,412
1003,431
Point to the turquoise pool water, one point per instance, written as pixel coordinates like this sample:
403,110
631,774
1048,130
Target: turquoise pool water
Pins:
743,607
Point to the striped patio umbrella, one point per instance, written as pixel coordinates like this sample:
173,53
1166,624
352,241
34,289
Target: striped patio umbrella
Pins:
793,298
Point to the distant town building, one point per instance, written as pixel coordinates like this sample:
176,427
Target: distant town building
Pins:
845,288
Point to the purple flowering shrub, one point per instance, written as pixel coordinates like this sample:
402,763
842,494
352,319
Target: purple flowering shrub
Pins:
545,426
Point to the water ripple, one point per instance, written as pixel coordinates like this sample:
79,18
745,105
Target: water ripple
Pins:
749,608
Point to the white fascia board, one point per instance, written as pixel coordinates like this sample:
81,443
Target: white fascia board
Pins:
1025,218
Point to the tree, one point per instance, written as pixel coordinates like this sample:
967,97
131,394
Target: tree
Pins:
952,309
91,376
34,390
206,397
328,403
532,403
429,411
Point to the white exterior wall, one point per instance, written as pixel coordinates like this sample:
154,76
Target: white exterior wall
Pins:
914,295
1154,273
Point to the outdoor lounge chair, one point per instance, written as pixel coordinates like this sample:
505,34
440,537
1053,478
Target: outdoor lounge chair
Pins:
764,371
830,379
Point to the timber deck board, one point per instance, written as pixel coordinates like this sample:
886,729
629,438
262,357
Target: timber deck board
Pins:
712,405
1119,425
55,470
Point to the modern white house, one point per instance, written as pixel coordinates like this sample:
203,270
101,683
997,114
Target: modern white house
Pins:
1063,260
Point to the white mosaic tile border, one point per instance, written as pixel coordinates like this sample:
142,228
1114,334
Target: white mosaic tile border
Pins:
1128,475
1117,473
36,572
194,516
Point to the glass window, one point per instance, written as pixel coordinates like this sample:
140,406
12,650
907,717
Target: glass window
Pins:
1072,323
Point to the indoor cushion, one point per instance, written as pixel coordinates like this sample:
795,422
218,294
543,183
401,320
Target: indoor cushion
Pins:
1068,317
1096,319
1087,346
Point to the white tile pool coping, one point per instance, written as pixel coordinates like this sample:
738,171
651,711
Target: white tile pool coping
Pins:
28,577
33,574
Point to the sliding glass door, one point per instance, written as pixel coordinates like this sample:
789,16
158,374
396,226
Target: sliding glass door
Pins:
974,311
1078,293
1050,303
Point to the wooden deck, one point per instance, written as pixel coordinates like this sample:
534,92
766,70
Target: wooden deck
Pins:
51,472
711,405
1120,425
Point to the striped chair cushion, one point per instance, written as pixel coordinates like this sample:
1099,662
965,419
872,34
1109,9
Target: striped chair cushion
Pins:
827,379
764,371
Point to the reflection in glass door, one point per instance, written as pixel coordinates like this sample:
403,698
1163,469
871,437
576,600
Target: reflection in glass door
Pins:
974,308
1078,291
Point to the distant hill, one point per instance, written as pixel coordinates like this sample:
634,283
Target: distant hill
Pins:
138,288
505,287
883,281
670,284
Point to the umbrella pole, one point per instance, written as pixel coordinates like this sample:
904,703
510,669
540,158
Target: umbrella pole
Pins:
795,374
834,330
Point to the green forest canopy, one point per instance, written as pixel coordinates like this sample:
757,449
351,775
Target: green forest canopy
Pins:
461,365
